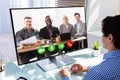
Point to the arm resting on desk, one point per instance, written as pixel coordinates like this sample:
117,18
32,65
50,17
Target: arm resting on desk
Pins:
74,69
64,73
84,69
65,78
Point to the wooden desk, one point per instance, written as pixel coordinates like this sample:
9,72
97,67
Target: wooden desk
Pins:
80,39
36,46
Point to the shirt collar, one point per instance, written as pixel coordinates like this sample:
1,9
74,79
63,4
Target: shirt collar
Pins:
48,27
79,21
26,29
111,54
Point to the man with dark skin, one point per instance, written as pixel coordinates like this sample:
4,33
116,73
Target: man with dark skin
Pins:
49,31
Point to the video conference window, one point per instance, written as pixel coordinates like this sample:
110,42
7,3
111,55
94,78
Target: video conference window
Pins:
40,33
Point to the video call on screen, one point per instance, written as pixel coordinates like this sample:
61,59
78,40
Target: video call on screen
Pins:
45,48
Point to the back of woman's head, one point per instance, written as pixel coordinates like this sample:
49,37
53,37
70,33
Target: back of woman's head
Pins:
111,25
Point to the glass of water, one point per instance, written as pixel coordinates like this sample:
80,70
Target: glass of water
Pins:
0,65
3,63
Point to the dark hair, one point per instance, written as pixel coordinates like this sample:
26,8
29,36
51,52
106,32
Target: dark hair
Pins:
111,25
76,14
48,16
27,17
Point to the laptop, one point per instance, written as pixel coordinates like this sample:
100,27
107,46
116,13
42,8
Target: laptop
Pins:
65,36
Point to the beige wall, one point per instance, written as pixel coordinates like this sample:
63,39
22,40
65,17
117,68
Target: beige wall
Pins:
118,9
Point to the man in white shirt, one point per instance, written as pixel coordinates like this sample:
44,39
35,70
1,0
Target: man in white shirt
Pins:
79,31
79,27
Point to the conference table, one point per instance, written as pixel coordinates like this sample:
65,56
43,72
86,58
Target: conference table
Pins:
32,72
33,47
37,45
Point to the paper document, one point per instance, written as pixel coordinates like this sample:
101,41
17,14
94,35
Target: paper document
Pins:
80,38
30,40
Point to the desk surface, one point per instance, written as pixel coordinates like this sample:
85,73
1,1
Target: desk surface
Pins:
36,46
33,72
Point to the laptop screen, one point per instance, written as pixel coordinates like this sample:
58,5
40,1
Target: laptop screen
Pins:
65,36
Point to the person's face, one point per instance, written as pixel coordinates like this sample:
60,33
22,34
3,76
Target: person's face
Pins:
107,41
65,20
28,23
104,41
77,17
48,21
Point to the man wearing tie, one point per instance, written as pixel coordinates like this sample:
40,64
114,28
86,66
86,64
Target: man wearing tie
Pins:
49,31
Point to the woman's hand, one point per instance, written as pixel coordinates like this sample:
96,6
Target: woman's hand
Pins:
64,72
75,68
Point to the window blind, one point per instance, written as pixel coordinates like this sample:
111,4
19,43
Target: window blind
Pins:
70,3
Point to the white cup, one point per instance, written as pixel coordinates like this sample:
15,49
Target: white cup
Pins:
3,63
95,53
42,41
49,41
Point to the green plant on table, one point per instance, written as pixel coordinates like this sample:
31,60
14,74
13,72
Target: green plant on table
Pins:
96,45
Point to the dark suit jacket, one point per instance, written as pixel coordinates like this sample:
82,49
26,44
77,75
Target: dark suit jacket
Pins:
44,33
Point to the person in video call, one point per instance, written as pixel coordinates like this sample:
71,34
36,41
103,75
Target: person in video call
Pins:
79,27
109,69
27,32
66,27
49,31
79,31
